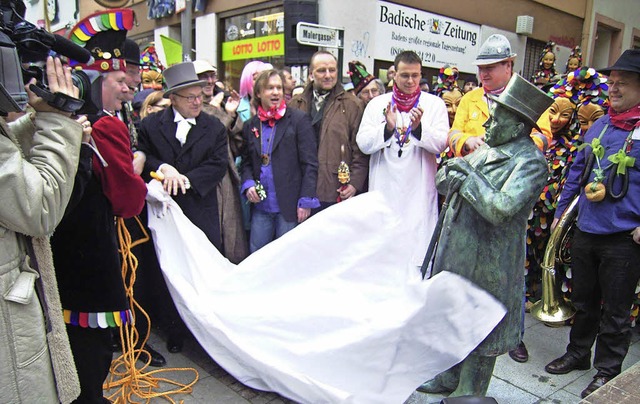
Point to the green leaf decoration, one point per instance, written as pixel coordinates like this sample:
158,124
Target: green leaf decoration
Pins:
623,161
598,149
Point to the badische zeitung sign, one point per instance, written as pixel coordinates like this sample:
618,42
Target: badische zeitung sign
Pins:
437,39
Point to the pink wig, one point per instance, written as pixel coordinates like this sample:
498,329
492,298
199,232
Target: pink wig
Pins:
246,79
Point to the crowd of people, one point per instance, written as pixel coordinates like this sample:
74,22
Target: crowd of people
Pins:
248,166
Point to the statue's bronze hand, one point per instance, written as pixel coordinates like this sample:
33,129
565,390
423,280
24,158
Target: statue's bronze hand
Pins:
459,164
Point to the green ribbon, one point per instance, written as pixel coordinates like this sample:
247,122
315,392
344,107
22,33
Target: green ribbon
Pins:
598,149
622,160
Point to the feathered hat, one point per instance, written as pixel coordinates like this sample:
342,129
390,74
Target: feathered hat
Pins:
583,86
447,79
103,34
149,59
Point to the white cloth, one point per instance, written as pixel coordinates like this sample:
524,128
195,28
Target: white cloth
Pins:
324,314
410,178
183,127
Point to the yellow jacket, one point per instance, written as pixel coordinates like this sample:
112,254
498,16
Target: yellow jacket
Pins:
473,112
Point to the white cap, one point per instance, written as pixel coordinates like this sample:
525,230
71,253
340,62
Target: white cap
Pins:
495,49
203,66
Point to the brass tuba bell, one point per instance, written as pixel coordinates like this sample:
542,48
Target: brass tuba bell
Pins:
554,309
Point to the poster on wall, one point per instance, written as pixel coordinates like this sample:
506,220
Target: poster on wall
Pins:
439,40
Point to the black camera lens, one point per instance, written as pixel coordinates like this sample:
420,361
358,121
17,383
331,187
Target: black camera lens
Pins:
89,84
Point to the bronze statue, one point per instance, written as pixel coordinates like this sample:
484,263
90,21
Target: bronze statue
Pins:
483,233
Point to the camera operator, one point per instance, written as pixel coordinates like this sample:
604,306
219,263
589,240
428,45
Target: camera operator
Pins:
39,159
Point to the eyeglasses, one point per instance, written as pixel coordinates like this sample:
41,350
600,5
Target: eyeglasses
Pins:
372,92
190,98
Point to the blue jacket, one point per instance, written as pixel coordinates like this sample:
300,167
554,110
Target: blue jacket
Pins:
609,215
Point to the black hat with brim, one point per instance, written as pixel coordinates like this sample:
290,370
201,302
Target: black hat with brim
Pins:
628,62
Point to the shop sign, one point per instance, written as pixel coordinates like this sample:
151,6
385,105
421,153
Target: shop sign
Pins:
253,48
437,39
318,35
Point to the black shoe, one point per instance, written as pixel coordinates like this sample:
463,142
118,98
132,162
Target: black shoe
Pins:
433,387
174,344
157,360
597,382
566,364
520,354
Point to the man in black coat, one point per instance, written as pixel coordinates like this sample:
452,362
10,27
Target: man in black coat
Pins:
189,149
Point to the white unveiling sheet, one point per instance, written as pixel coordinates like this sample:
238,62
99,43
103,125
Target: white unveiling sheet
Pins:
332,312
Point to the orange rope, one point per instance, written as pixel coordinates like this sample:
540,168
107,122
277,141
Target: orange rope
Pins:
129,379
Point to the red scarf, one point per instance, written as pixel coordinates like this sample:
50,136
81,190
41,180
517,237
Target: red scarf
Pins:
497,91
404,101
626,120
273,114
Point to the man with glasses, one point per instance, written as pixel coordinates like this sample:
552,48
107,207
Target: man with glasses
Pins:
188,148
365,86
404,131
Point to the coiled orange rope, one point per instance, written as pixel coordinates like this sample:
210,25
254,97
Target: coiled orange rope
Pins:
131,380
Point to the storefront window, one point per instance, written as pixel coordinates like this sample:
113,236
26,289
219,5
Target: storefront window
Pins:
257,35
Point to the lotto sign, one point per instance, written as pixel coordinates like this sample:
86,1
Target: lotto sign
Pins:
264,46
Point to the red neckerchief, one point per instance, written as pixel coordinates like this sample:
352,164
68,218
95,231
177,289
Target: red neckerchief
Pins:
273,114
626,120
403,101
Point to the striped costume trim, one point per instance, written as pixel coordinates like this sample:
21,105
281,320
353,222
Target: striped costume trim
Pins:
98,320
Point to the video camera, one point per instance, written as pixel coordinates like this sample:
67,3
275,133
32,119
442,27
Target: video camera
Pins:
33,45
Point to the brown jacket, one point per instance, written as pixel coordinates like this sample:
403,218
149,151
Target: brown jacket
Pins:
336,125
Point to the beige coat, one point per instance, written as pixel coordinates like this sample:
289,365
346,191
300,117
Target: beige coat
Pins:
36,183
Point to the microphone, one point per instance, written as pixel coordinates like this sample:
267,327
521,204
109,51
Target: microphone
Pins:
69,49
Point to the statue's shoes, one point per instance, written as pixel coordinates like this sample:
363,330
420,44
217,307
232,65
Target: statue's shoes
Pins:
433,387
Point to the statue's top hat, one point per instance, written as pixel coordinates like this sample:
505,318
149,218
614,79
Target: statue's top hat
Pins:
181,75
523,98
103,34
495,49
628,62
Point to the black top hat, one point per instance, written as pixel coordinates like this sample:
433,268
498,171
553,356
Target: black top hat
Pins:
628,62
181,75
131,52
523,98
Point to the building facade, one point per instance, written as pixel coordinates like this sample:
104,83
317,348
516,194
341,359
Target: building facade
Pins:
230,33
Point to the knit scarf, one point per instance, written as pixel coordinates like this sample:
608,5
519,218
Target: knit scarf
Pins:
627,120
273,114
403,101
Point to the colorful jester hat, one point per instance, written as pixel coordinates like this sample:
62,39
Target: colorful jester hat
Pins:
447,79
103,34
583,86
149,59
359,76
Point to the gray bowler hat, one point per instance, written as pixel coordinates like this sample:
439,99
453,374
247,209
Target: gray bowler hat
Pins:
524,99
495,49
179,76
